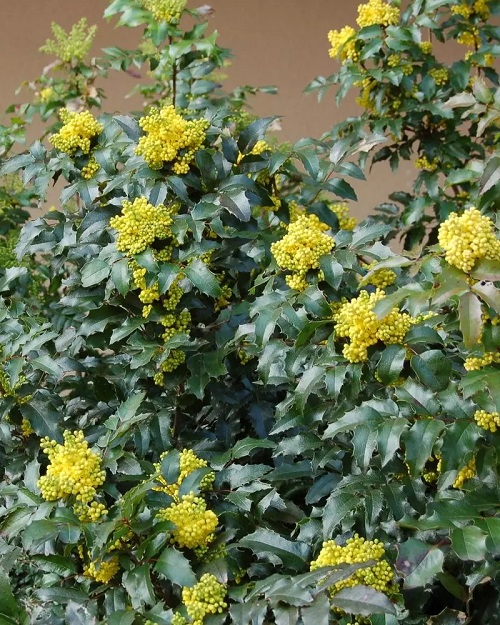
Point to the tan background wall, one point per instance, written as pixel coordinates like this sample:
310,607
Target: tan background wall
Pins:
280,42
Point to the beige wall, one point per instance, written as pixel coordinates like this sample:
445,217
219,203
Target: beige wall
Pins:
281,42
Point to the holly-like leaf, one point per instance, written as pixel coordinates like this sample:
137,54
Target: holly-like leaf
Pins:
418,563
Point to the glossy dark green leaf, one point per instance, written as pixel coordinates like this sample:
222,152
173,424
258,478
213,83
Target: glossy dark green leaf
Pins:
433,369
173,565
471,323
254,132
137,583
337,507
419,442
388,438
363,600
469,543
293,554
8,604
202,278
418,563
391,363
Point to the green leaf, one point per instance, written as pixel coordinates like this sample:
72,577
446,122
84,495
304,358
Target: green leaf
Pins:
486,269
433,369
419,441
459,440
8,603
489,293
244,447
173,565
43,417
129,125
337,507
391,363
254,132
95,271
363,600
202,278
471,323
312,380
364,442
293,554
469,543
368,232
332,269
318,613
352,419
491,527
137,583
388,440
285,615
418,563
418,397
120,275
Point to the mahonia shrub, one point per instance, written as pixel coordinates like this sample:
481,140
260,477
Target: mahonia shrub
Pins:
222,399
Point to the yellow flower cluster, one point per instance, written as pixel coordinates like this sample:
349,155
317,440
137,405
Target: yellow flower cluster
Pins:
487,420
343,44
341,209
77,132
469,38
260,147
26,428
356,321
380,278
73,45
165,10
479,8
170,139
426,47
47,94
195,525
466,473
475,364
204,598
440,75
140,224
301,248
74,469
90,169
467,238
377,12
379,576
102,571
424,163
188,462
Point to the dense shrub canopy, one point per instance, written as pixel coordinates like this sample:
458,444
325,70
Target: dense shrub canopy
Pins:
222,400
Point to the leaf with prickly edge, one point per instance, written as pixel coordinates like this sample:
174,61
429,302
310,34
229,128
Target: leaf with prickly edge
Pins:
174,565
459,440
471,323
202,278
362,600
418,563
337,507
388,439
433,369
391,363
469,543
419,441
293,554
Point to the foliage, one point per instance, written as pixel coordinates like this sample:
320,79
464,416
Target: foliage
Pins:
224,401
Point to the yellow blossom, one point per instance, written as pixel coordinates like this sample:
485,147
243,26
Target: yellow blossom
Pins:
356,321
74,469
77,132
487,420
466,473
165,10
301,248
72,45
344,45
468,237
140,224
195,525
357,550
170,139
204,598
377,12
